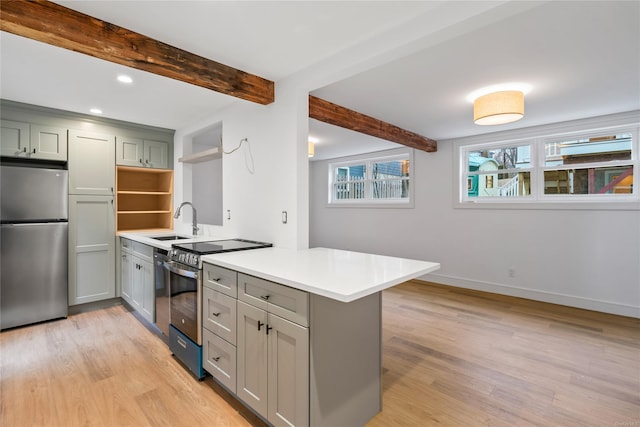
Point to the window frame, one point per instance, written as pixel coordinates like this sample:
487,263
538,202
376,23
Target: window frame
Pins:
537,138
368,160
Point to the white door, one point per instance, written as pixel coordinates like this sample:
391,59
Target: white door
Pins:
288,355
91,163
91,249
252,357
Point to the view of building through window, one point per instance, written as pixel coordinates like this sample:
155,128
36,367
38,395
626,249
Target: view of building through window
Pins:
596,165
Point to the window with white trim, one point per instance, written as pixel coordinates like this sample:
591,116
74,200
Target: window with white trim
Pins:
371,180
590,166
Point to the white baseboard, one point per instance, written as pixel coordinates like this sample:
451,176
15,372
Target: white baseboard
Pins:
550,297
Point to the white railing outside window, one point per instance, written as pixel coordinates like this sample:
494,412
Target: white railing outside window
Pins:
372,180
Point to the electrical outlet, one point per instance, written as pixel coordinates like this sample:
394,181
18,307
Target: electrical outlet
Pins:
284,217
511,271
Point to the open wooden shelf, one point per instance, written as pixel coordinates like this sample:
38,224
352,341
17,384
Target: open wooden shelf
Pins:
144,199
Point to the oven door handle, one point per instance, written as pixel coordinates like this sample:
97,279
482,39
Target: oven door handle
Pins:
174,268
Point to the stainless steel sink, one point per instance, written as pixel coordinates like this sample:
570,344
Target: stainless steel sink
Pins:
172,237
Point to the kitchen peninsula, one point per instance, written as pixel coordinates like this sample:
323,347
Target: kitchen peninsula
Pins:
302,339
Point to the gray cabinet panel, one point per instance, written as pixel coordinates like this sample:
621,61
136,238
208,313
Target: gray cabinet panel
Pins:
221,279
156,154
91,249
219,314
14,139
252,357
142,153
219,359
31,141
91,163
289,303
288,355
48,143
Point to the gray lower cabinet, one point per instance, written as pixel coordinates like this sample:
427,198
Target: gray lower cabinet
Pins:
126,263
219,306
136,277
273,366
91,249
261,356
298,358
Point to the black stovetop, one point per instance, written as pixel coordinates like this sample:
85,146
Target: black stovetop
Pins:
217,246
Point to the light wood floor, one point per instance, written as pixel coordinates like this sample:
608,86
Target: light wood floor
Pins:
451,357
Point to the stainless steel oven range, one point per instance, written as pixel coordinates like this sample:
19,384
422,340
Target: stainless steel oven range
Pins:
185,285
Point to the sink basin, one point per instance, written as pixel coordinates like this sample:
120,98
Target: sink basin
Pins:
172,237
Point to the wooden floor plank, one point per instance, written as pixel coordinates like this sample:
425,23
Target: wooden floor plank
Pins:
451,357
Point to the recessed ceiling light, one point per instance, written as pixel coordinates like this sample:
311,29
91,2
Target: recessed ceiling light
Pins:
124,79
96,111
525,88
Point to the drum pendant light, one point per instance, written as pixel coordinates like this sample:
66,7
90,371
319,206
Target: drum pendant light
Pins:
498,108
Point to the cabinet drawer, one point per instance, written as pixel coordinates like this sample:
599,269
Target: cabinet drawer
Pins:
221,279
186,351
219,314
125,244
219,359
289,303
142,250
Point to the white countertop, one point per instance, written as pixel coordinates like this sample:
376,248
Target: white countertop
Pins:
337,274
341,275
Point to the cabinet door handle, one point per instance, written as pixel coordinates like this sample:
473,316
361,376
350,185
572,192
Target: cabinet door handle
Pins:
217,280
265,297
216,358
24,149
34,151
268,329
182,343
215,314
260,324
141,162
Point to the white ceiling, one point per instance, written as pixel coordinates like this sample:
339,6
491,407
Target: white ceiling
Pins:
412,63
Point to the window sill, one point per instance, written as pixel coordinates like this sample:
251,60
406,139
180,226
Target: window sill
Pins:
559,205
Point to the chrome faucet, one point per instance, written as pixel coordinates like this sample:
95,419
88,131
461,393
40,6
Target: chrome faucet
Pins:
195,216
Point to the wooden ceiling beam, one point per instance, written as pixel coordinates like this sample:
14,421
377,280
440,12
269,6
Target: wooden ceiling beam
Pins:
57,25
337,115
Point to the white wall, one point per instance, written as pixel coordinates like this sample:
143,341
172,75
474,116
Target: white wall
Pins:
582,258
264,177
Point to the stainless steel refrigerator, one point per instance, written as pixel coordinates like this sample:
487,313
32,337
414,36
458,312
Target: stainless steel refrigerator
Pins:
33,245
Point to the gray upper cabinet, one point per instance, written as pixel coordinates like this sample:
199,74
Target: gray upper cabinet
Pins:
142,153
31,141
91,163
